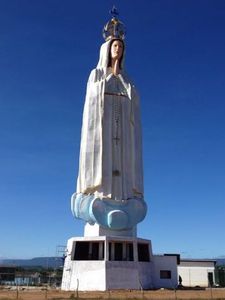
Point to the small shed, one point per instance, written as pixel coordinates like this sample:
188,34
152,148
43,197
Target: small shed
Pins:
165,270
196,272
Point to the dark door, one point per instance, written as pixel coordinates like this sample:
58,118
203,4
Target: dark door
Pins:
210,278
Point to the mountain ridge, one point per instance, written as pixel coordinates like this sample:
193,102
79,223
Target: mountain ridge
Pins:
55,262
45,262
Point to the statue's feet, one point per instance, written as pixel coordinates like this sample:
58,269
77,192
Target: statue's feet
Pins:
116,215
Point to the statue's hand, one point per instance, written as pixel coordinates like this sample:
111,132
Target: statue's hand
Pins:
116,67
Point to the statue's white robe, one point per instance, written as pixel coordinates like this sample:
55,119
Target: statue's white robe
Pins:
96,149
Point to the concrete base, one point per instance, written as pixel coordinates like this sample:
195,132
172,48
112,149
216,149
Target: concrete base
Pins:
96,230
107,262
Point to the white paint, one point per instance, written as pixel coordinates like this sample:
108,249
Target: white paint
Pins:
97,230
128,275
102,275
105,275
195,272
98,157
84,276
165,263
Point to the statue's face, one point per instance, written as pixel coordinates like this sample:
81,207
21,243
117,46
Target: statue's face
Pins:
116,49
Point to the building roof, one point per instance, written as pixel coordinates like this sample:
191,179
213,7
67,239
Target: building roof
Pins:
197,260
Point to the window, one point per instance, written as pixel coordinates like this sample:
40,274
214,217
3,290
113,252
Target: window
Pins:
118,251
110,251
89,251
143,252
121,251
129,252
95,251
165,274
81,251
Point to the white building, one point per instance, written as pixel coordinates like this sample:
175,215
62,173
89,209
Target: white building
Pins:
197,272
113,262
165,271
108,263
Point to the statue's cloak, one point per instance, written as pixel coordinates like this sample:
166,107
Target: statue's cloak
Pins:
95,164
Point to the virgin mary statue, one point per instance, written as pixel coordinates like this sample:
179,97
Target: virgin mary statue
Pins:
110,180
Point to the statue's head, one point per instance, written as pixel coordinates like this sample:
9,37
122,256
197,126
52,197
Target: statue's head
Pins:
114,47
111,50
116,50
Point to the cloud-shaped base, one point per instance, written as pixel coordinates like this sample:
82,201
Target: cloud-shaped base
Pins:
116,215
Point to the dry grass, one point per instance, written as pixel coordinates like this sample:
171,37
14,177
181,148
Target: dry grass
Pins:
38,294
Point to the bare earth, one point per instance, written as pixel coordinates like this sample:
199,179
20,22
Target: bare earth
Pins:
53,294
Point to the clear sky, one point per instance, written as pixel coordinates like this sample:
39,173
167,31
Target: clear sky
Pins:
175,54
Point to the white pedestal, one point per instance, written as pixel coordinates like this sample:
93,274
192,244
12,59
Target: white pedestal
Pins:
96,230
103,263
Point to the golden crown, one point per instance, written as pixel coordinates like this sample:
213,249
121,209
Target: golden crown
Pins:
114,28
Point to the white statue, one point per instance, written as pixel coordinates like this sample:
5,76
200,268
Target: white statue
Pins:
110,182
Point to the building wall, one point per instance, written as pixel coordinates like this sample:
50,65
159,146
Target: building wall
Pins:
128,275
114,269
163,263
87,275
195,273
128,271
82,275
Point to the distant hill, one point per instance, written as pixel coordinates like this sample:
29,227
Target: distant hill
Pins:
55,262
220,261
45,262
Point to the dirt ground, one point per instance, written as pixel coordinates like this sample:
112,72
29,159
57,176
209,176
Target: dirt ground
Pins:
53,294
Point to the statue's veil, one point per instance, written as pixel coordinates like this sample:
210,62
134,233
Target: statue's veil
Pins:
104,54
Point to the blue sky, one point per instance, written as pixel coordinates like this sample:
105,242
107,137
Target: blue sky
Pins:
175,55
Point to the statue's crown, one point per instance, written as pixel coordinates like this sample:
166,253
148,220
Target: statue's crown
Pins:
114,28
